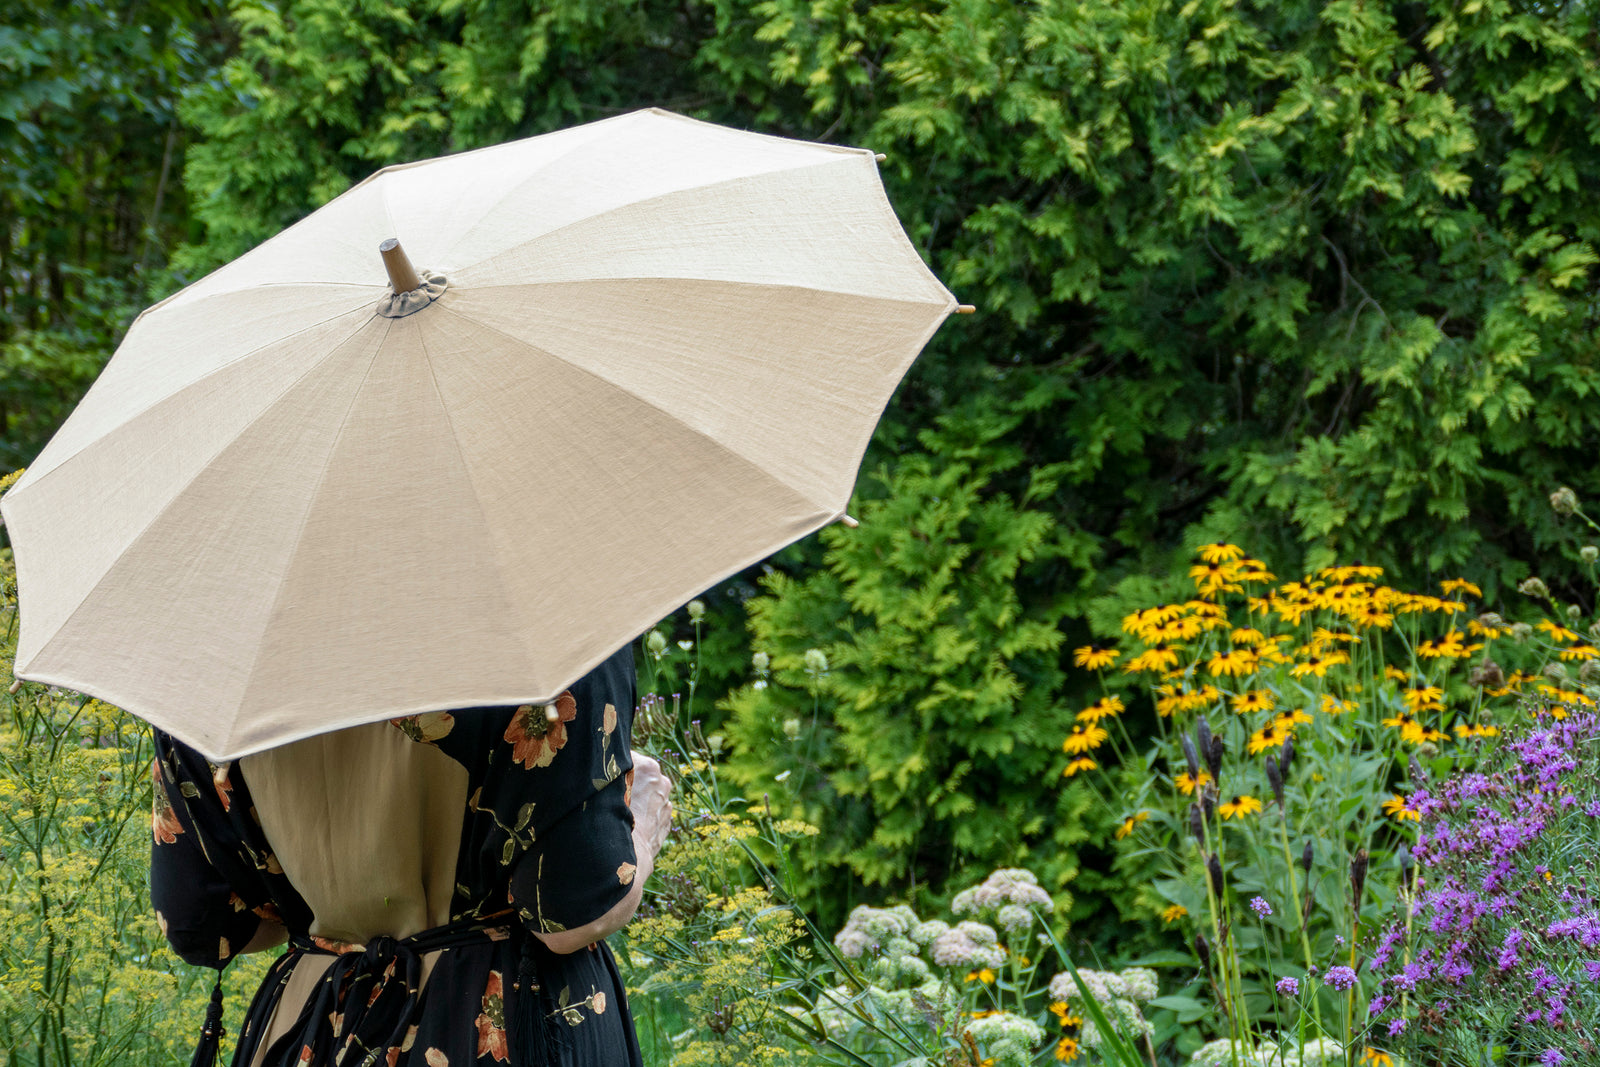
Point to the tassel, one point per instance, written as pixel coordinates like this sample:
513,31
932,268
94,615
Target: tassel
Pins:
531,1041
205,1053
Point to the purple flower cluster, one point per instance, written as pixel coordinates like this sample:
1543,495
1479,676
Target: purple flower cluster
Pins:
1505,928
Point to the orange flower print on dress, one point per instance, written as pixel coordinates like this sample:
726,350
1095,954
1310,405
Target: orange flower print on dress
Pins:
627,788
536,734
492,1021
164,822
436,1058
393,1055
427,727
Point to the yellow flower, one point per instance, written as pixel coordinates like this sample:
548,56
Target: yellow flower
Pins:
1452,585
1580,652
1239,807
1556,632
1238,662
1352,571
986,976
1332,705
1254,700
1104,708
1402,812
1188,785
1266,738
1082,763
1158,657
1130,822
1084,739
1067,1049
1209,577
1094,657
1217,552
1420,698
1487,730
1247,635
1376,1058
1396,673
1288,720
1324,636
1174,913
1318,664
1253,570
1490,631
1063,1011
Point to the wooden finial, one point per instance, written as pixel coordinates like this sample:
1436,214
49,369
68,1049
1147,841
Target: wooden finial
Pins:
402,275
965,309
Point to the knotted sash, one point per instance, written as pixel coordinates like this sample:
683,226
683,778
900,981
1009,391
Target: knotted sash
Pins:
366,1002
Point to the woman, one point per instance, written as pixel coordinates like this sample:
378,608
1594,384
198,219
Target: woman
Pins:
444,882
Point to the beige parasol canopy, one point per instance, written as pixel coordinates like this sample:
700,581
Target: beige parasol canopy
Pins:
644,354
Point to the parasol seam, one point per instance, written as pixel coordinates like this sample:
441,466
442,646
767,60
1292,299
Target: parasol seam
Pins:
693,279
726,182
200,469
645,402
305,517
455,439
158,401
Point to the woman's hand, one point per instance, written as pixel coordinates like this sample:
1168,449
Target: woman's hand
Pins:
651,804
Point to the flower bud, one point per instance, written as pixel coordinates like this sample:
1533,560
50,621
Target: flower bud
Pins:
1533,587
1555,671
791,728
1487,675
1589,553
761,662
1307,856
697,610
1589,673
1203,950
656,642
816,661
1189,757
1491,620
1197,825
1202,738
1275,780
1574,613
1214,757
1286,757
1358,878
1214,869
714,743
1521,631
1564,501
1428,750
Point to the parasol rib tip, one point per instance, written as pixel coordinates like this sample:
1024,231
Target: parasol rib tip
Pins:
402,275
966,309
850,521
880,157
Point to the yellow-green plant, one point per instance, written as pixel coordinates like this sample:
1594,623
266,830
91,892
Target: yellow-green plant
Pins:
85,975
1269,807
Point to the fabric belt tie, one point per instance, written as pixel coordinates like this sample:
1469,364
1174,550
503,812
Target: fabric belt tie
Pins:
365,1003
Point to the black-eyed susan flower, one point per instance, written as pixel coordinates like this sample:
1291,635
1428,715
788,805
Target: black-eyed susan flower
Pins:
1459,585
1332,705
1375,1058
1391,671
1253,700
1397,808
984,975
1084,739
1094,657
1130,822
1210,577
1108,707
1421,697
1078,766
1239,807
1579,652
1254,571
1464,730
1370,613
1218,552
1236,663
1064,1015
1187,784
1246,635
1266,739
1158,657
1173,913
1320,663
1067,1049
1288,720
1556,631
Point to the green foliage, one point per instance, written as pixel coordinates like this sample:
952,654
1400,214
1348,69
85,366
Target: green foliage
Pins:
92,144
909,706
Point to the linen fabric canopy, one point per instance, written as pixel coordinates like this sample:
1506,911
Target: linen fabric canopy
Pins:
649,352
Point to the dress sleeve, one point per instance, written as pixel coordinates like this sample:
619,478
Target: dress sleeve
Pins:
205,921
576,860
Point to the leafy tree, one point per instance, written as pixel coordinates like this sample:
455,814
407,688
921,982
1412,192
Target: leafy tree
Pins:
92,144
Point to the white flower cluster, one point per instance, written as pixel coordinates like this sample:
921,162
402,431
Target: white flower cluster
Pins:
871,929
1008,1039
1119,995
968,944
1324,1052
834,1007
1008,885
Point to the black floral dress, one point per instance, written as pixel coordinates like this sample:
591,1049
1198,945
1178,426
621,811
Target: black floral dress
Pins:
409,860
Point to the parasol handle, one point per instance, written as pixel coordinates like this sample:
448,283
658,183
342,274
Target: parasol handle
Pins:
402,275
